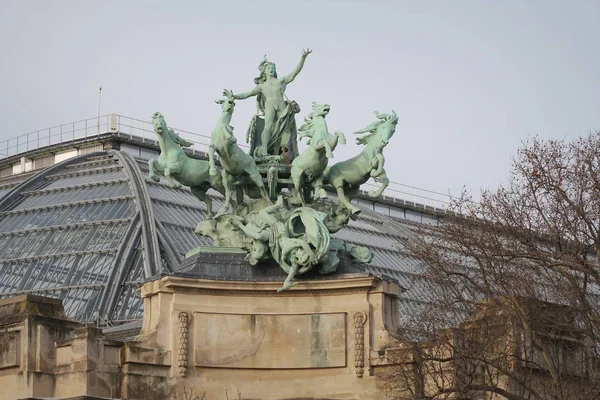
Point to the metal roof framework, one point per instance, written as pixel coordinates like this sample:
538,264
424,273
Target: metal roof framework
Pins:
84,231
93,228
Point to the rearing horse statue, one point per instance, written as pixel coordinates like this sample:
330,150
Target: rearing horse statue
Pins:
235,162
312,162
347,176
178,168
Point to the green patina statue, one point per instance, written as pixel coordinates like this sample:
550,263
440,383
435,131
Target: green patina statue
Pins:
236,164
278,113
309,166
347,176
178,168
296,231
297,240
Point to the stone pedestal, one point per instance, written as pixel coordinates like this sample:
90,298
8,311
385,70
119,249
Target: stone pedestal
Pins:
218,325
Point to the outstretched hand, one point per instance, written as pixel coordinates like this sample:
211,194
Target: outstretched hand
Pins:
228,93
306,52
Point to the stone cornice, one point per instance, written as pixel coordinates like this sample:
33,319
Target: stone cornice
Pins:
347,283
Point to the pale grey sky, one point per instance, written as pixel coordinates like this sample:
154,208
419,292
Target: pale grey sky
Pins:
470,80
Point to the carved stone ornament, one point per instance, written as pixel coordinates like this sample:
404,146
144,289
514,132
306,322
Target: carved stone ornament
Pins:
182,351
359,342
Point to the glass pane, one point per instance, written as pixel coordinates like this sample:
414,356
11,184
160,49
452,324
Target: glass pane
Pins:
86,178
67,215
74,195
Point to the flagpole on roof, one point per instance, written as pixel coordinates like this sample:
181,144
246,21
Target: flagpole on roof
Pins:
99,100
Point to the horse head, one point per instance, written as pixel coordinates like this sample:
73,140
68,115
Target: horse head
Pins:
227,105
381,131
319,110
161,129
159,124
388,127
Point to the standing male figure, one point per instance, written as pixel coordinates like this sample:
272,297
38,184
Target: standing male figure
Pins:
270,92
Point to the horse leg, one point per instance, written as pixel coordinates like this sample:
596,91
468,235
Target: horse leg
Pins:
176,169
298,196
216,182
200,193
228,183
257,179
212,170
384,184
377,165
154,167
345,201
328,151
173,168
320,193
338,138
167,172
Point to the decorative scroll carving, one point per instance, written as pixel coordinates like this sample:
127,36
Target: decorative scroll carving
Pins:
182,356
359,342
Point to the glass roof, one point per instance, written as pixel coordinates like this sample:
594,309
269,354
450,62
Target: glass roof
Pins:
74,231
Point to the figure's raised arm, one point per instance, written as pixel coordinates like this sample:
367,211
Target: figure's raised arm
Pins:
288,78
241,96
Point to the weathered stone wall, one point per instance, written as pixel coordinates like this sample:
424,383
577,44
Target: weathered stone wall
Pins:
206,337
214,336
43,354
29,325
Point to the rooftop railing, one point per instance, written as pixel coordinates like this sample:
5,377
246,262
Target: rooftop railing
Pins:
143,132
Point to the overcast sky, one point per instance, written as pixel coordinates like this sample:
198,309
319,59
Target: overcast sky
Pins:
470,80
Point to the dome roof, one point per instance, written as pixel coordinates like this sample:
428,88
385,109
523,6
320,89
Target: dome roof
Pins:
91,229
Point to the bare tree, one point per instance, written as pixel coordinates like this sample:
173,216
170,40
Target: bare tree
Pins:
515,311
187,393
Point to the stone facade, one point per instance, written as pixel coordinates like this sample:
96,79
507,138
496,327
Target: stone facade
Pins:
215,338
211,339
43,354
